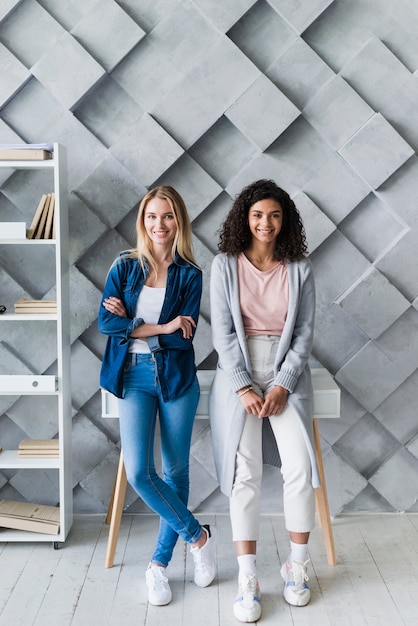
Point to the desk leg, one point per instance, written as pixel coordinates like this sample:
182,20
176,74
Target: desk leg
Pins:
115,511
108,517
321,498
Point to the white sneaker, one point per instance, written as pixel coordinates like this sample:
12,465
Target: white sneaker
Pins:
247,607
296,591
159,592
205,558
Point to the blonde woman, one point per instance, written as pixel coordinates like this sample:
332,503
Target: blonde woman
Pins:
149,312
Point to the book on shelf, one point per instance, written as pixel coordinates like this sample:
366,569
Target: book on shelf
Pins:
37,217
38,454
24,305
41,444
26,151
36,310
7,154
42,226
49,218
30,516
34,448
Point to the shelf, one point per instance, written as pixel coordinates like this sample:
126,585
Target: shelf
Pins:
8,535
17,339
16,317
32,164
9,459
31,242
28,384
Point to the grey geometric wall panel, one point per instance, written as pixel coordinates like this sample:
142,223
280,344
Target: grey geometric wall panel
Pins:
208,96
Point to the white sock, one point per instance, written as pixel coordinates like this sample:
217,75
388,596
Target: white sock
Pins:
298,551
247,565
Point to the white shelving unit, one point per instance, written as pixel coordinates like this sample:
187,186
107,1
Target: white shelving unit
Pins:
40,384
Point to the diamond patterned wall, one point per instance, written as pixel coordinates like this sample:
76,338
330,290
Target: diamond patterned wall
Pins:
208,96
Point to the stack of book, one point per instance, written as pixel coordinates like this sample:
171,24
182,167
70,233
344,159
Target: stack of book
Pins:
38,448
25,151
43,223
24,305
28,516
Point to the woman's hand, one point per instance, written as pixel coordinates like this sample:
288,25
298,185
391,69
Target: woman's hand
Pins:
115,306
185,323
251,401
274,401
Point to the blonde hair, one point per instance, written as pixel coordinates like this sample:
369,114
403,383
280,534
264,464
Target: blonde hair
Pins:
182,243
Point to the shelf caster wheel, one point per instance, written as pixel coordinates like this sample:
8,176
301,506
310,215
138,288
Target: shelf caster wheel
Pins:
56,545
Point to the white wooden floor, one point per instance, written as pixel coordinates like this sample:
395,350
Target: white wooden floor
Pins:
375,581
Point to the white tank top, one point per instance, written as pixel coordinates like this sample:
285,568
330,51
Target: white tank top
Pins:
148,306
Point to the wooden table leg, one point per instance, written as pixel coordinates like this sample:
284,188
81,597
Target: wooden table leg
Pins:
321,498
111,501
115,511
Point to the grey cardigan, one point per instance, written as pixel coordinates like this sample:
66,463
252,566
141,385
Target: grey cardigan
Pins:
291,365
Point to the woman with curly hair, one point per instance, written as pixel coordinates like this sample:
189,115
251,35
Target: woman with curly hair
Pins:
261,400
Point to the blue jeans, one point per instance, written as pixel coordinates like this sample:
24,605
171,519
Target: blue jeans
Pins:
138,411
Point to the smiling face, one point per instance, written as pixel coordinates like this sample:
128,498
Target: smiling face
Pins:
265,219
160,222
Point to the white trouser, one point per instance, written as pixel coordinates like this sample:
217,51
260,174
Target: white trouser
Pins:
298,493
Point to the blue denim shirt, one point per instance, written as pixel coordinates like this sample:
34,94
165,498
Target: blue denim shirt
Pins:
173,355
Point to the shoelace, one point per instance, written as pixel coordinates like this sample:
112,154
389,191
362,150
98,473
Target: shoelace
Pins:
300,575
198,560
159,579
250,587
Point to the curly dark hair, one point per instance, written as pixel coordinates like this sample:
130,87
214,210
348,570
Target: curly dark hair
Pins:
235,234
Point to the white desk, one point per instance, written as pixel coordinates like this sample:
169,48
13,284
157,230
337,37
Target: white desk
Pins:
326,396
326,405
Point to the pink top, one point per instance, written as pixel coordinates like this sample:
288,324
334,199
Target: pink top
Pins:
264,297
